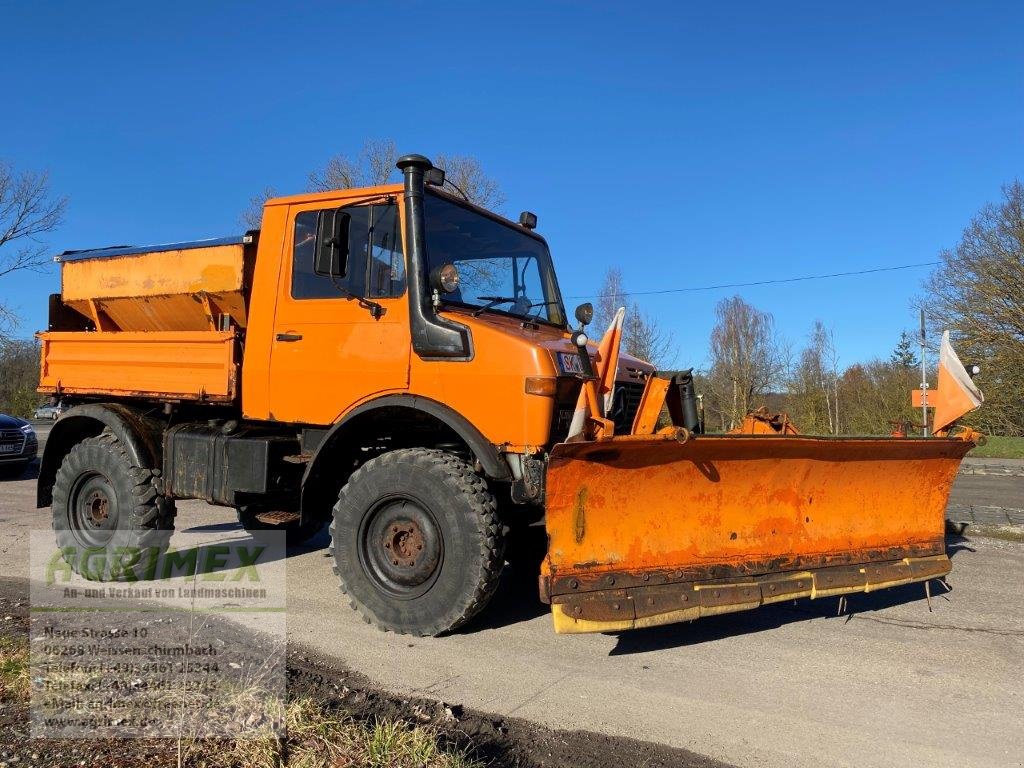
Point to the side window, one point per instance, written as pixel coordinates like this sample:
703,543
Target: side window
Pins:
374,267
306,284
385,276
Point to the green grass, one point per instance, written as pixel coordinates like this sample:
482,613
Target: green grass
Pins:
1000,448
13,668
317,735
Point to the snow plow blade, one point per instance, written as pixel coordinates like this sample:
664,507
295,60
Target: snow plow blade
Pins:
648,530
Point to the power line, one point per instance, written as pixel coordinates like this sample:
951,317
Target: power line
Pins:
762,282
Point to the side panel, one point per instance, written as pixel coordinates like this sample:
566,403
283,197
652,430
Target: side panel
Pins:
192,365
331,353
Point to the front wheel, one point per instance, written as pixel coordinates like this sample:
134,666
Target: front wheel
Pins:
417,542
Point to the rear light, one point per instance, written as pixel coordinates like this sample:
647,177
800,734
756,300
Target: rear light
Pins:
546,386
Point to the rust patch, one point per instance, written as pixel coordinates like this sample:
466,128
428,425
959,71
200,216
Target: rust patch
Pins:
596,580
626,607
579,515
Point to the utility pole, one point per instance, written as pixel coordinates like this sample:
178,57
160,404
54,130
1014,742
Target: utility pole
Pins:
924,382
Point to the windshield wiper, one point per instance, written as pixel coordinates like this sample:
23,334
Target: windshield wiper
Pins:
493,301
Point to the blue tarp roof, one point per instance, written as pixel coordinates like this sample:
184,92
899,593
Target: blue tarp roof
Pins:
129,250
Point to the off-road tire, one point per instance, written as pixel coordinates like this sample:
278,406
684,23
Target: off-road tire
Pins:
455,508
135,516
295,533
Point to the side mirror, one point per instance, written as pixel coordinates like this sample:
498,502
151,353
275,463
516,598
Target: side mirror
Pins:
585,313
332,243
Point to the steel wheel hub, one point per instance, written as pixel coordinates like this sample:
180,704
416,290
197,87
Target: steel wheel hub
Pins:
401,547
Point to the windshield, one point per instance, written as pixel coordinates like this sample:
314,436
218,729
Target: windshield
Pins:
501,268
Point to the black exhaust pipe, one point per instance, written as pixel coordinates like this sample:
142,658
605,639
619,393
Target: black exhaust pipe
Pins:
433,337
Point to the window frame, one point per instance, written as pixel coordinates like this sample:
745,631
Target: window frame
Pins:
365,274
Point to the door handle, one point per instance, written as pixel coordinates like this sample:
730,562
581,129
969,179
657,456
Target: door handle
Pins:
289,337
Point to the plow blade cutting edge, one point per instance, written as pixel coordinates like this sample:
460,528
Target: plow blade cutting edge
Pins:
648,530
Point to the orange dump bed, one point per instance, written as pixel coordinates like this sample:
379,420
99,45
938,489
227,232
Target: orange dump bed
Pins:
162,321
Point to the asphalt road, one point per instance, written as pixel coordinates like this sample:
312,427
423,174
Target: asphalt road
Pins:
792,685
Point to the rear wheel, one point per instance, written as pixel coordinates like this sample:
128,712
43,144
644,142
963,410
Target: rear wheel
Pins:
417,542
106,510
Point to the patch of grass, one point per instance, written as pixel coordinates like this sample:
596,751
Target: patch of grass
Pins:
13,668
1000,448
320,738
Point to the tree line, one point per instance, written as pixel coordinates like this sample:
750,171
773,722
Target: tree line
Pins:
977,292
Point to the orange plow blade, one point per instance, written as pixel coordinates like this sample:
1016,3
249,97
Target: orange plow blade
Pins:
647,530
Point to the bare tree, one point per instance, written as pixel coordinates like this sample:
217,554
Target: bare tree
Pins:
374,165
252,217
27,211
611,296
467,175
642,334
645,338
747,360
977,293
813,389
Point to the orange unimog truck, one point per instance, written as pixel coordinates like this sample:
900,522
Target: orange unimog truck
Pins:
398,363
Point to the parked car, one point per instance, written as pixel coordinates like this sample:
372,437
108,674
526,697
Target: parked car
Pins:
18,445
49,411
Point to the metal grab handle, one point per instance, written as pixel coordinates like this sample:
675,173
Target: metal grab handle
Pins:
289,337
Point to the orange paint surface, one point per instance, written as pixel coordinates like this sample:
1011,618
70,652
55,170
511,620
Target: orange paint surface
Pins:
651,502
183,364
158,291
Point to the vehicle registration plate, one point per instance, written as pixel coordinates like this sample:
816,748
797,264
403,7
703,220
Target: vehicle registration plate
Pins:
570,362
9,448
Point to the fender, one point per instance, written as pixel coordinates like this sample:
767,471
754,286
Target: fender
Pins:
482,448
138,434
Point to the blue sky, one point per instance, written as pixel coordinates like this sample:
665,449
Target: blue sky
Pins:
689,144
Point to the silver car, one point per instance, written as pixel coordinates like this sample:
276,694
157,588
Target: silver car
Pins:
48,411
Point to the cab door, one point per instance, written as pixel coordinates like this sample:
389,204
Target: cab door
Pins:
341,329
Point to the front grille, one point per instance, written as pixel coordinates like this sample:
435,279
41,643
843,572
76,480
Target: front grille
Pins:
12,437
625,404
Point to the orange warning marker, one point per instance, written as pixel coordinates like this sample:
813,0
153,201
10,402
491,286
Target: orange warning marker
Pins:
955,395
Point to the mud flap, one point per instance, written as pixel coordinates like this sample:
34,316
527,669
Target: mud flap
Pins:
645,530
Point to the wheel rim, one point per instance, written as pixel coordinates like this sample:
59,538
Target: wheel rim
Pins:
400,547
92,510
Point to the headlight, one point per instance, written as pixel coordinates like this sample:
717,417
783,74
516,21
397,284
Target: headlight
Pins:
27,429
445,278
